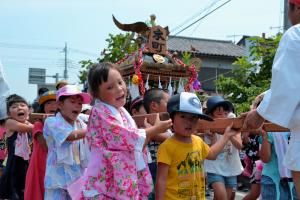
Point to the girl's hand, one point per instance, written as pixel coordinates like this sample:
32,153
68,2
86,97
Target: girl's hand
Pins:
30,125
146,123
229,132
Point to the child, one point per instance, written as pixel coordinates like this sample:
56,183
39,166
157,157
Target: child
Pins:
12,183
85,113
253,164
180,172
155,101
222,172
68,152
118,165
276,180
137,107
2,145
34,187
86,109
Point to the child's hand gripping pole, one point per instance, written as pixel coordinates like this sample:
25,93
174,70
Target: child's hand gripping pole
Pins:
153,123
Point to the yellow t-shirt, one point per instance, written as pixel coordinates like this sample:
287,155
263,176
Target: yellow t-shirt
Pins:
186,175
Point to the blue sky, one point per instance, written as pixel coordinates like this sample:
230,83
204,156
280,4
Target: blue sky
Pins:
85,24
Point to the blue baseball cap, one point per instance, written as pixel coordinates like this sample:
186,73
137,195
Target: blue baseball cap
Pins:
216,101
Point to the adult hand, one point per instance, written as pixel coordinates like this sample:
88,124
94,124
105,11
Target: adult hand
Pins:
252,120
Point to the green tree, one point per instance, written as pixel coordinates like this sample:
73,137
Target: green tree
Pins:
118,46
251,74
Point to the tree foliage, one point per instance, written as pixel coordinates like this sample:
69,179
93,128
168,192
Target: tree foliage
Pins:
118,46
251,74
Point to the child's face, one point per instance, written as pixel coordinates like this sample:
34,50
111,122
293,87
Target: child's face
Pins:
70,108
50,107
114,90
184,124
220,112
19,111
140,111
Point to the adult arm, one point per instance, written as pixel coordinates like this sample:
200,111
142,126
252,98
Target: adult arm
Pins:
280,102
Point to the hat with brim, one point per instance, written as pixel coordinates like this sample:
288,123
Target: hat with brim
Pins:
47,96
86,107
216,101
136,101
188,103
73,90
57,85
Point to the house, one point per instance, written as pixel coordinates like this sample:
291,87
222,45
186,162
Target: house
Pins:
214,56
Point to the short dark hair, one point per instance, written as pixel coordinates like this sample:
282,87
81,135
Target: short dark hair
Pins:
98,74
153,94
42,90
12,99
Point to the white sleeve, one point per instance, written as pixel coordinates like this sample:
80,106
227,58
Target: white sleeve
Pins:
281,101
138,153
140,142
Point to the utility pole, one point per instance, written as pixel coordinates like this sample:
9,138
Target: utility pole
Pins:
66,62
286,22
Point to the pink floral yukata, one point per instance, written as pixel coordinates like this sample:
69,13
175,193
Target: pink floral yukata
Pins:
112,171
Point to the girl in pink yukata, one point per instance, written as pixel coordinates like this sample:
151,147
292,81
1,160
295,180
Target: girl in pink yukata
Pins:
118,166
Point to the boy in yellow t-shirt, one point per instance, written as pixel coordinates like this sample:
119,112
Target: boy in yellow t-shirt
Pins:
180,173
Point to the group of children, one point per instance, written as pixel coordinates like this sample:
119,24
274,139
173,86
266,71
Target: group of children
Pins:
106,156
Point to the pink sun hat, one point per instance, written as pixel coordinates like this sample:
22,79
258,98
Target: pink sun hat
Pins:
71,90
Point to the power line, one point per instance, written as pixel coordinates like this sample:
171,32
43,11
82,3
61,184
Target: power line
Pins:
27,58
194,16
202,17
214,78
43,47
26,46
83,52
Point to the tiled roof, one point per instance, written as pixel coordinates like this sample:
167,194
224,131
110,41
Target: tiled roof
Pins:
205,46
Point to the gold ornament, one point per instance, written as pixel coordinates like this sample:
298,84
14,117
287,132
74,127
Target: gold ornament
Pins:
135,79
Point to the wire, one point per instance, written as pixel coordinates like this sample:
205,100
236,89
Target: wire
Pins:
26,58
26,46
194,16
83,52
202,17
209,79
43,47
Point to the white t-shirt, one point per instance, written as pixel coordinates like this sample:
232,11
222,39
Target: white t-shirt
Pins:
227,163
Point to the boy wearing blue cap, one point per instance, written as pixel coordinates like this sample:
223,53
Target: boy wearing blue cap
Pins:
181,172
